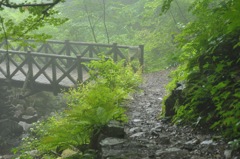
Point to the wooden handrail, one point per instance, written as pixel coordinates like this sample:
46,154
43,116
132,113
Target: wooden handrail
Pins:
33,64
31,70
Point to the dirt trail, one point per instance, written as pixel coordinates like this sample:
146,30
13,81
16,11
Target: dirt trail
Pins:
148,137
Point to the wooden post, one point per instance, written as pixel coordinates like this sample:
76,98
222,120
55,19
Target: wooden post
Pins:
68,52
29,78
54,76
115,52
91,51
8,65
141,59
45,45
79,69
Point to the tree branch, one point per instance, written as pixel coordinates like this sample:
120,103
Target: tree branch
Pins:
90,23
30,28
12,5
104,20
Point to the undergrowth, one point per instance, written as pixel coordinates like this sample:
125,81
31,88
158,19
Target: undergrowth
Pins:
91,106
210,61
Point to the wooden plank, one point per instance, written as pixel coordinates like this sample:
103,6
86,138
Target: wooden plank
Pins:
56,70
79,69
54,76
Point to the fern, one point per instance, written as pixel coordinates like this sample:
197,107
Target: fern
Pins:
91,107
210,68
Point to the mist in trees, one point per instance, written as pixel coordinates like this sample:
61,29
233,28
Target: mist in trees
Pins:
124,22
127,22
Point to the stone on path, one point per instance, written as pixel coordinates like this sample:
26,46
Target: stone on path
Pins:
189,145
172,153
112,142
114,129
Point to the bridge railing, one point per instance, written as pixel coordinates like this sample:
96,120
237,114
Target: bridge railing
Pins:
71,48
42,71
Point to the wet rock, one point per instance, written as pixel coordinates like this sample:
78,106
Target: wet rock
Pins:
172,153
197,157
19,110
113,154
136,114
24,125
30,118
208,142
190,145
137,120
19,107
228,154
157,130
137,134
163,140
8,127
175,97
112,141
150,110
135,130
114,129
30,111
17,114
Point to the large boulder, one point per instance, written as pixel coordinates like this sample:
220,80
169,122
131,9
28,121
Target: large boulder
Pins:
175,99
25,125
29,118
30,111
114,129
9,127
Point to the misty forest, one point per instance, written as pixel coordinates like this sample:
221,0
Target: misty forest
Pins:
120,79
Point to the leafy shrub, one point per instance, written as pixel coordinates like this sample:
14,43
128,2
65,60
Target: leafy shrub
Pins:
91,107
210,68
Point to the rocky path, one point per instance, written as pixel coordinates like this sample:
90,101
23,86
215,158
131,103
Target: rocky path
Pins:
147,137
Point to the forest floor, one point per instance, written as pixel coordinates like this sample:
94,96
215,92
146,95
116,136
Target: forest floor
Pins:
148,137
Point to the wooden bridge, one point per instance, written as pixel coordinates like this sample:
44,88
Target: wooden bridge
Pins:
56,65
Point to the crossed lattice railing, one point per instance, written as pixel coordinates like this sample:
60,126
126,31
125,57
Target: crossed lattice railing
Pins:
55,65
71,48
53,74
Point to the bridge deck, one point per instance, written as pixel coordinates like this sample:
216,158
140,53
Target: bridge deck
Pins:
19,76
42,82
55,65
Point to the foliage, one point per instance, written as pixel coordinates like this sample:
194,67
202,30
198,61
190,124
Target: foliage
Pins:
91,107
129,23
20,19
210,67
132,22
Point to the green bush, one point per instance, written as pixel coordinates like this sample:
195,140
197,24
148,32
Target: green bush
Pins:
210,69
91,107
